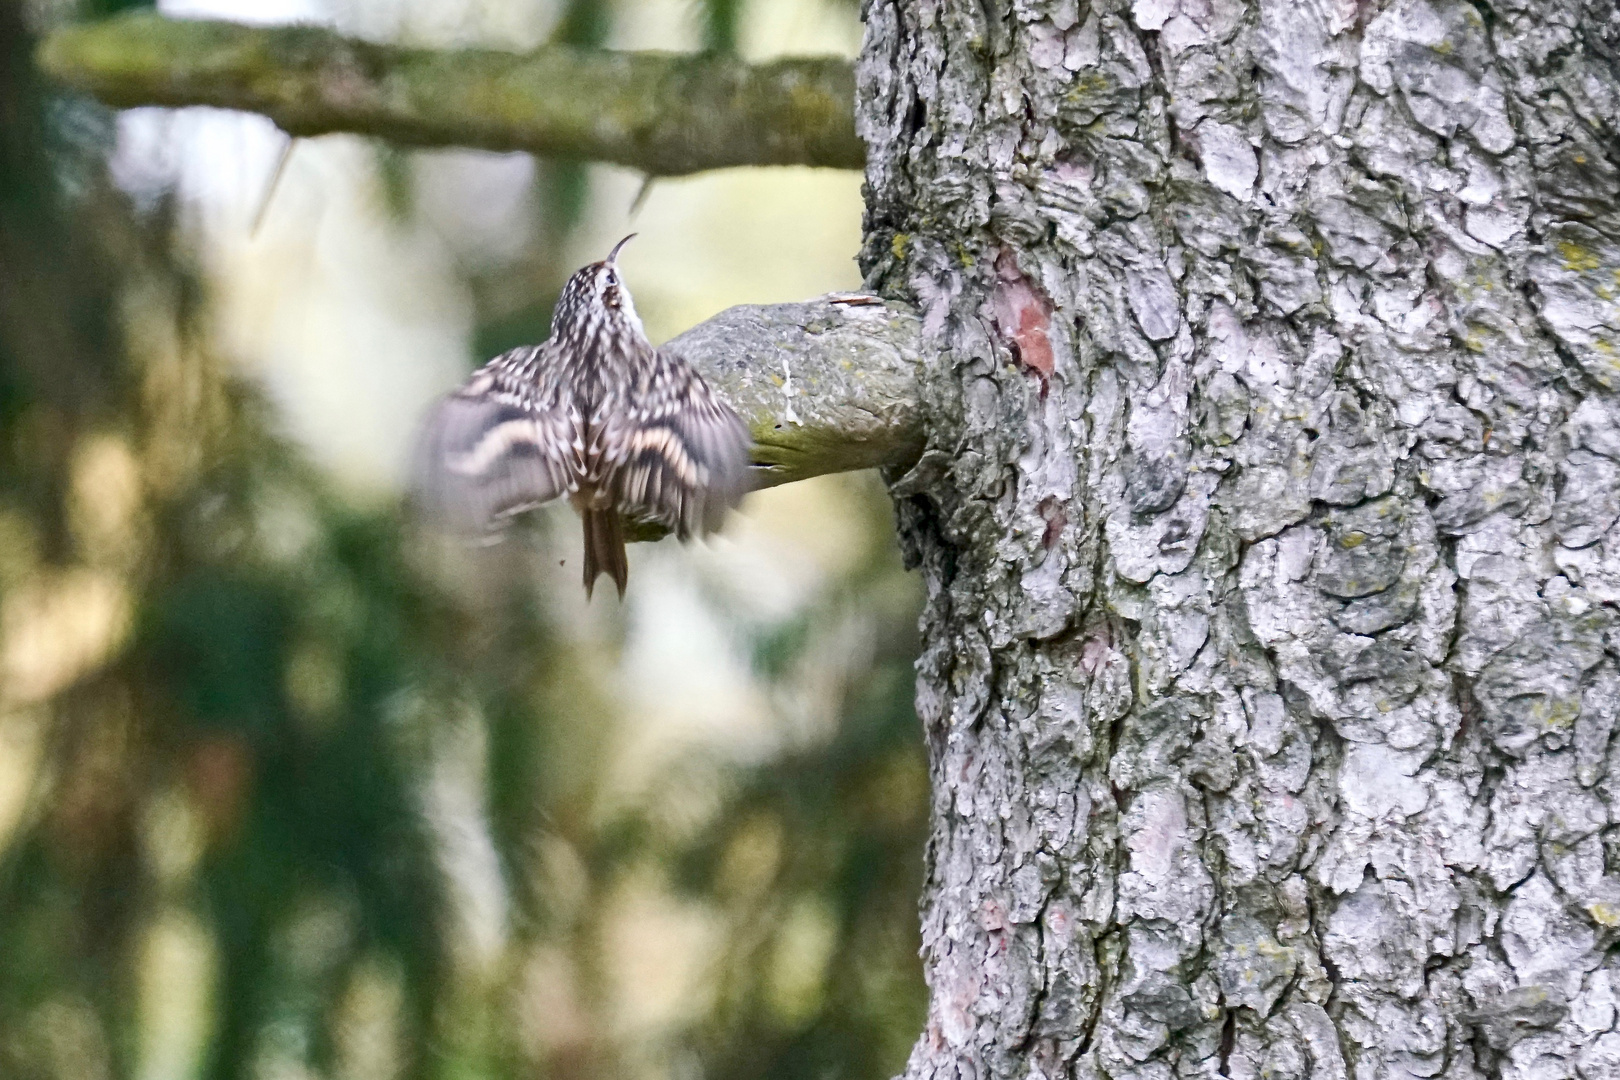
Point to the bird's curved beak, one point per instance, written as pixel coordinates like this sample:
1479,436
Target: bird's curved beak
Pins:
613,256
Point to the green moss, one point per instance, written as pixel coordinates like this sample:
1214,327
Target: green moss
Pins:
1088,88
1603,914
1577,257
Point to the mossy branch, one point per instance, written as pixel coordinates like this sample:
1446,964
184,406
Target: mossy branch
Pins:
826,385
665,114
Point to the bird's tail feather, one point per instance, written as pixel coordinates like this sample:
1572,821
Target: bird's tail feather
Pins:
604,548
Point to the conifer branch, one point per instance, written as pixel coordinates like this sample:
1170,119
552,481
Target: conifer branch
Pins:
666,114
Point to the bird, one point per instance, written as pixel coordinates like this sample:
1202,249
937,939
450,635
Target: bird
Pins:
626,430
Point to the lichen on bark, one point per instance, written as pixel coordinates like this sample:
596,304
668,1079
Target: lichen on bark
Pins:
1269,673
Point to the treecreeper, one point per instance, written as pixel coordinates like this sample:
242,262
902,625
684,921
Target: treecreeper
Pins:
596,412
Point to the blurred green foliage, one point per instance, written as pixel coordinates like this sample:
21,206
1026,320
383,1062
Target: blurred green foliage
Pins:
232,698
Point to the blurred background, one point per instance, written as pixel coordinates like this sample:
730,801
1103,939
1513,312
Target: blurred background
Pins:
290,791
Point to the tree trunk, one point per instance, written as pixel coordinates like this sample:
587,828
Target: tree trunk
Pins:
1268,524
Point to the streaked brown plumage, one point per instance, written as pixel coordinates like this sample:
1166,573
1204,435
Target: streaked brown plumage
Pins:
594,412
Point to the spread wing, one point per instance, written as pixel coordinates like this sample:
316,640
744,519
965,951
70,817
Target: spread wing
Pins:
501,444
673,452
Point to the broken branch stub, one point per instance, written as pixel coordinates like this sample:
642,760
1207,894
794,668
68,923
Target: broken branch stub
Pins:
825,385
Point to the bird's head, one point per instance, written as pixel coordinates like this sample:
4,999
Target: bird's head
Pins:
596,304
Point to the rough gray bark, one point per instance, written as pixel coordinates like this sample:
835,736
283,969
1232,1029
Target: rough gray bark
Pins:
1268,523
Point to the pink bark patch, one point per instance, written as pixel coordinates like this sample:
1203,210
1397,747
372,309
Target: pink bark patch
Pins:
1053,513
1023,315
1096,654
